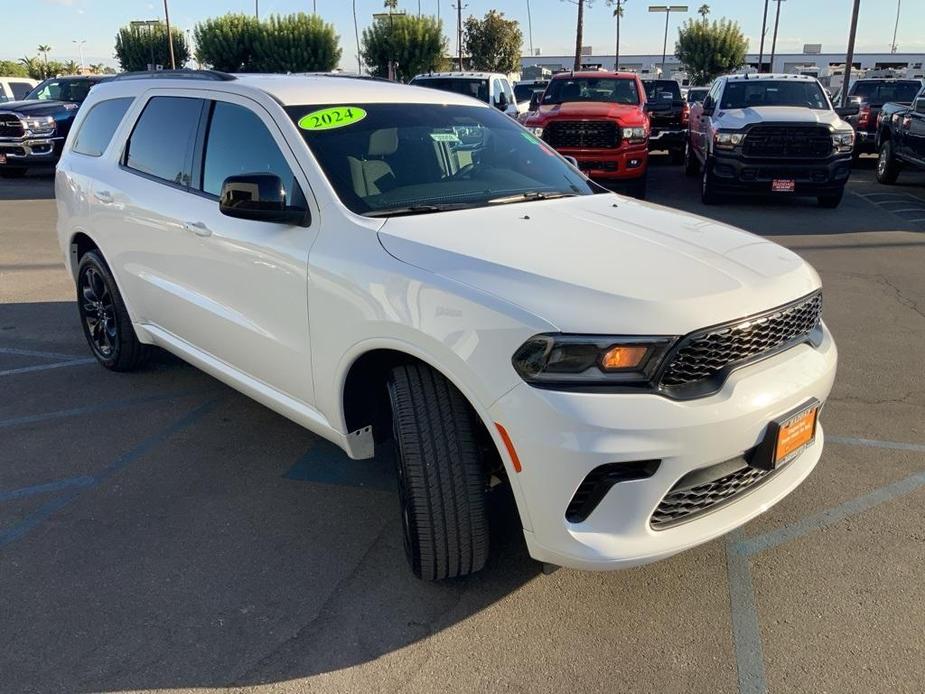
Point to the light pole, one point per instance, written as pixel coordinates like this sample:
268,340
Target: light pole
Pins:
80,50
893,46
774,40
667,9
459,7
764,30
529,25
618,13
849,59
173,63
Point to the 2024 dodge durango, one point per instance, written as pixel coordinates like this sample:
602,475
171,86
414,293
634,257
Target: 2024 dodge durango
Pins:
390,265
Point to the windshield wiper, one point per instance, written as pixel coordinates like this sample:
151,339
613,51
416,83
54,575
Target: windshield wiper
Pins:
413,209
529,196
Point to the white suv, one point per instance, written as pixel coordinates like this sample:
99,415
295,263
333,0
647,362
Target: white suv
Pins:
384,263
491,87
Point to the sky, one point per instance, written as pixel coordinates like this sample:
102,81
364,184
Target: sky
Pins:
62,22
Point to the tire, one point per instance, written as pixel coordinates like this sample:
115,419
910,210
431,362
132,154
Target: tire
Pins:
441,482
637,188
708,195
677,155
691,165
830,202
103,317
887,166
7,172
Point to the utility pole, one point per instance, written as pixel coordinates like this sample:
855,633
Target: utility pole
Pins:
618,13
667,9
257,9
173,63
529,26
849,59
764,30
774,40
893,46
459,7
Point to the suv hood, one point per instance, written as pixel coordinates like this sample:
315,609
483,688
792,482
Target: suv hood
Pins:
738,118
604,263
38,107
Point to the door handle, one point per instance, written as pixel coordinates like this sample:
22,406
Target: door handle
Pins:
198,228
103,196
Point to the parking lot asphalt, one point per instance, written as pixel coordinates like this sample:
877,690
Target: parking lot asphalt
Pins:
160,531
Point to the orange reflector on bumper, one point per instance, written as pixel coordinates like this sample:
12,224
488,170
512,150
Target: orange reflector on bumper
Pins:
510,447
623,357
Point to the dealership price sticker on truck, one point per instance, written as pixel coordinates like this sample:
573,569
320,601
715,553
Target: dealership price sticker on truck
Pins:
783,185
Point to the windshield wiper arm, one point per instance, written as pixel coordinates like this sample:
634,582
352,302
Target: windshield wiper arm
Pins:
529,196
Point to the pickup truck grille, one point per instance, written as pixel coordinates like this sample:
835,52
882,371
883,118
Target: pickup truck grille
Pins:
704,357
10,126
582,134
798,142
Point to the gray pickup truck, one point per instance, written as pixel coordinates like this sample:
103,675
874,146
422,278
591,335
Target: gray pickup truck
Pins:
901,138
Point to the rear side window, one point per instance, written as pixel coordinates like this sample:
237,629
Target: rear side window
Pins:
20,89
239,143
162,143
99,125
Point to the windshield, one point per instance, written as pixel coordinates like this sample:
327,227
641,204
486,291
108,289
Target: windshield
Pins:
62,90
695,96
408,159
524,92
878,93
662,90
611,90
756,93
469,86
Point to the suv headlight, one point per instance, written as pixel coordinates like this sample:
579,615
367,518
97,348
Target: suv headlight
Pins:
636,134
843,141
40,125
555,359
727,140
538,132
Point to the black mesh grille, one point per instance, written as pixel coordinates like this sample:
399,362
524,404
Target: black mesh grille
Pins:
681,505
704,356
10,126
582,134
788,141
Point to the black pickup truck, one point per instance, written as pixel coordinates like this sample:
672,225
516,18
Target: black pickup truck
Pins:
668,127
32,131
870,95
901,138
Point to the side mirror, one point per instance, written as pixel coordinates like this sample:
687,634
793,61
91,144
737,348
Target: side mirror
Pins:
849,110
535,100
260,197
919,106
502,101
709,106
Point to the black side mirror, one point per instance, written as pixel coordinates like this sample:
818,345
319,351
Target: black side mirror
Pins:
919,106
535,100
709,106
502,101
849,110
260,197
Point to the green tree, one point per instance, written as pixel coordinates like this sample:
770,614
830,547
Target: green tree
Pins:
13,68
69,67
44,49
417,44
32,66
709,49
703,10
227,43
137,45
494,43
295,43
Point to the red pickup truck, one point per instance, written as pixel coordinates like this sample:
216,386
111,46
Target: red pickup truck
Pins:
599,118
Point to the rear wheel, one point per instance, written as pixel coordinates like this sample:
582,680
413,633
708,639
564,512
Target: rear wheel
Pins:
887,166
106,323
707,186
441,481
690,161
12,172
831,201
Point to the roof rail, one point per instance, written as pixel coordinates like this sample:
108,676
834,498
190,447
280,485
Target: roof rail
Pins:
213,75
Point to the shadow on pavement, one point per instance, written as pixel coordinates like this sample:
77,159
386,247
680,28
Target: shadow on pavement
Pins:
38,184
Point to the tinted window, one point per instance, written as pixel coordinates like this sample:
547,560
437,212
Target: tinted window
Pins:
524,92
473,87
99,125
662,90
73,89
695,96
162,142
20,89
878,93
606,89
760,92
239,143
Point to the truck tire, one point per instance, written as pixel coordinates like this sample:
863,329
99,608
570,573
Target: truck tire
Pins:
441,482
708,195
12,172
831,201
638,187
691,166
887,166
105,321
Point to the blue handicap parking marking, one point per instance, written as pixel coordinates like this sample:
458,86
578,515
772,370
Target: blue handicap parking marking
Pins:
325,463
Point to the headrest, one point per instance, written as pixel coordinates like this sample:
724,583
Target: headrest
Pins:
383,142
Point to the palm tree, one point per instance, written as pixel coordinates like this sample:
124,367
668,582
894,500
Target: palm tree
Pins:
31,65
618,13
579,29
97,68
356,33
44,49
703,10
71,67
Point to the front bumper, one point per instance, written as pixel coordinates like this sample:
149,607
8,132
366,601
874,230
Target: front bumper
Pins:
623,163
735,173
31,151
560,437
667,138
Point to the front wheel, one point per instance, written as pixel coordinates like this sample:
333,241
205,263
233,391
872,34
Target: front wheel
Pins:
442,486
690,161
887,166
707,186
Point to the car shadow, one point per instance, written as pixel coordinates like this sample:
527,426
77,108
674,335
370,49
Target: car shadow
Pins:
37,184
160,530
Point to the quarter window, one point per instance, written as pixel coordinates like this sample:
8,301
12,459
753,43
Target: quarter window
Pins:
99,126
20,89
239,143
162,143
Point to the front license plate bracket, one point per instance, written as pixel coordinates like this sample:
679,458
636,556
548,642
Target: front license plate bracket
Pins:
786,436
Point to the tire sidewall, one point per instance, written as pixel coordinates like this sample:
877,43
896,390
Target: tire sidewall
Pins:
93,260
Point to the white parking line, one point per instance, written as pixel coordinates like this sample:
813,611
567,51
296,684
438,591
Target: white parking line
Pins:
44,367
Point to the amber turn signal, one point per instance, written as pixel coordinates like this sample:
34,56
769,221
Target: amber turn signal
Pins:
623,357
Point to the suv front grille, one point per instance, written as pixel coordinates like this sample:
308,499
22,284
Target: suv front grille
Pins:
684,503
10,126
703,358
791,141
582,134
